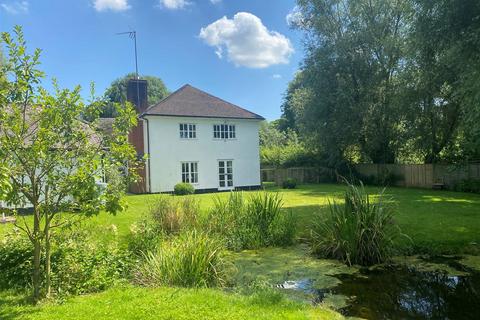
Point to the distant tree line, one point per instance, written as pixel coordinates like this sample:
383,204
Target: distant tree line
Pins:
387,81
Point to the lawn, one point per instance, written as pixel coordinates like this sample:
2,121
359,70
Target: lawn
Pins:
435,221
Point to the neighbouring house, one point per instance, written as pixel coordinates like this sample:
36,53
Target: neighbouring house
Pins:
194,137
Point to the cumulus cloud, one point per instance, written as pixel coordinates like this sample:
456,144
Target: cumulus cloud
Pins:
113,5
294,17
15,7
174,4
247,41
277,76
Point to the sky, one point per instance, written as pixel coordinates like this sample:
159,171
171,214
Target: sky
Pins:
242,51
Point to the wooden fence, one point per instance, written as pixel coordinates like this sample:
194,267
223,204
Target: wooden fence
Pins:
407,175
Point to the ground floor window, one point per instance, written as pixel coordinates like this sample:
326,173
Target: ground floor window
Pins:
190,172
225,173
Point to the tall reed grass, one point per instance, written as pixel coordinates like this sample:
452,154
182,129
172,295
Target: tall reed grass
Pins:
192,259
253,222
360,232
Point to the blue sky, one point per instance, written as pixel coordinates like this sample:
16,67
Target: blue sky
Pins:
247,58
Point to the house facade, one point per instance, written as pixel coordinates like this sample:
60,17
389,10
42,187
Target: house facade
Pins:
194,137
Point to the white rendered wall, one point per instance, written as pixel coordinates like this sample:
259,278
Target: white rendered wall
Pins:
168,151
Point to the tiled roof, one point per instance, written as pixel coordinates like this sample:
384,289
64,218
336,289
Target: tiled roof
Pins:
192,102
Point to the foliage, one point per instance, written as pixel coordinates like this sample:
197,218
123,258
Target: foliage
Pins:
289,183
193,259
183,188
143,237
172,215
360,232
398,83
283,148
50,158
15,262
79,264
117,93
468,185
252,223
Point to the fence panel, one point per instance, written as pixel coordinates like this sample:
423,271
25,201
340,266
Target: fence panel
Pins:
407,175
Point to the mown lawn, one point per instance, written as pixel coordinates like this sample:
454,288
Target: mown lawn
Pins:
435,221
165,303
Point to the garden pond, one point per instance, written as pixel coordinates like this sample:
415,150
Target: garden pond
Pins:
416,287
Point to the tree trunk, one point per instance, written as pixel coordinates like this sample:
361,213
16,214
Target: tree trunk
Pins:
37,251
47,257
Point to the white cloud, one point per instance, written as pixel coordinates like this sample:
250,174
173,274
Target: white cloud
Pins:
15,7
114,5
247,41
294,17
277,76
215,1
174,4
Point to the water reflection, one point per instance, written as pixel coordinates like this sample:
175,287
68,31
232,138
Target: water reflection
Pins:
400,292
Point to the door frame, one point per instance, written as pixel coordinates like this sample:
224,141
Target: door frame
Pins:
226,187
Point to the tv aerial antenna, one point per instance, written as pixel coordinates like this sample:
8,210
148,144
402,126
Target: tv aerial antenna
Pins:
132,35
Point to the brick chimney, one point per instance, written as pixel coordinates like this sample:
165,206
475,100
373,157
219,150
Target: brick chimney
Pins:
137,95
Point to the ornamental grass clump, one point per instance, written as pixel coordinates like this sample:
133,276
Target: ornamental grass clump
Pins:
359,232
253,222
193,259
171,215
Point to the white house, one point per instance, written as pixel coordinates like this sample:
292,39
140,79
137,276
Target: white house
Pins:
194,137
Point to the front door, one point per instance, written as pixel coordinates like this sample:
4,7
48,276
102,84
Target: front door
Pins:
225,174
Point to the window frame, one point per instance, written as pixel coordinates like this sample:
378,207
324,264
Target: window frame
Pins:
189,172
187,131
224,131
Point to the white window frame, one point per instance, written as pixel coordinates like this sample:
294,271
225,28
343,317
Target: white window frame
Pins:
224,131
228,182
189,172
187,131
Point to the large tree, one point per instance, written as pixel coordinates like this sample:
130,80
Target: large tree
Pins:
348,94
442,53
117,92
51,160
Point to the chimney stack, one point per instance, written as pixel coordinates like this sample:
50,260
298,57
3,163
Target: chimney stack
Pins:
137,95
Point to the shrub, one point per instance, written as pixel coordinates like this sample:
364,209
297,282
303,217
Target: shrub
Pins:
359,232
253,223
183,188
289,183
468,185
144,236
16,255
79,265
193,259
171,215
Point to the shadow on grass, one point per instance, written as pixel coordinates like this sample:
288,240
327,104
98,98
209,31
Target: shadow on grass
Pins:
14,305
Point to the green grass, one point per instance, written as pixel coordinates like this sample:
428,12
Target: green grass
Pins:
436,221
164,303
440,221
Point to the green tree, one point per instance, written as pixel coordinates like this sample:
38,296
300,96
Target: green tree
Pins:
347,98
50,159
117,92
440,48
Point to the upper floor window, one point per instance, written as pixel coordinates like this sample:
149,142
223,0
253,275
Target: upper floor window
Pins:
188,131
224,131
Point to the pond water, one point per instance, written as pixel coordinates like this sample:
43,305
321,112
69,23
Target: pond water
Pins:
402,292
